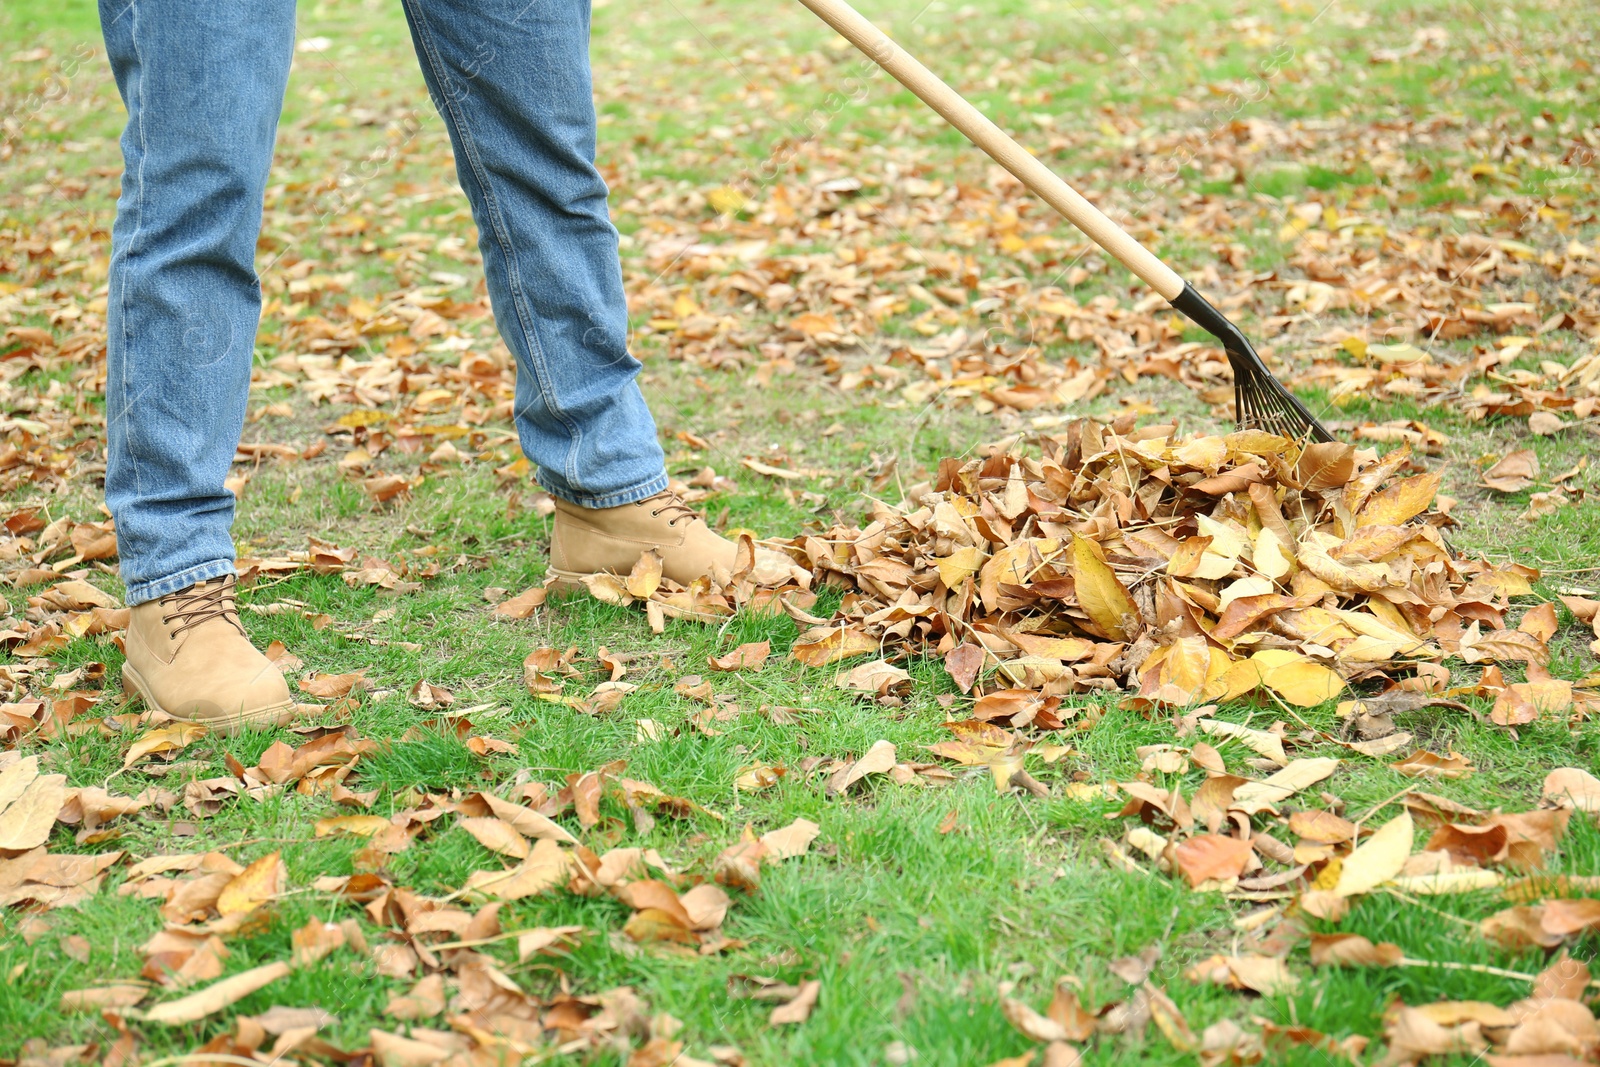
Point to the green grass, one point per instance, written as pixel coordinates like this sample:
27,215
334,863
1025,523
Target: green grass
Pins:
1019,892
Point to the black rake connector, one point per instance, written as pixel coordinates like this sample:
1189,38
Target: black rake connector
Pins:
1261,402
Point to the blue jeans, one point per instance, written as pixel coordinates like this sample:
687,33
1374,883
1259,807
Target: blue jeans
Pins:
203,82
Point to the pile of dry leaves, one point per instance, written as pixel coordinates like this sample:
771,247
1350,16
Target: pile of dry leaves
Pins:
1182,569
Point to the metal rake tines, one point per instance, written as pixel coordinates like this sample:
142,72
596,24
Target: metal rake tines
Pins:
1263,403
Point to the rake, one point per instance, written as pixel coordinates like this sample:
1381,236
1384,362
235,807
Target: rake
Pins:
1260,400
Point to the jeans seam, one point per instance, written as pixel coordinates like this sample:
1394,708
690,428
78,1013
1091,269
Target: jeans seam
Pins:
525,316
128,252
156,588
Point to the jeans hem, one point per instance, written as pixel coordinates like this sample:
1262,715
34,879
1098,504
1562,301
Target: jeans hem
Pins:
143,592
642,491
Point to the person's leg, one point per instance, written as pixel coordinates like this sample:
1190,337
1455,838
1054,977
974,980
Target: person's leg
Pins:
203,83
511,80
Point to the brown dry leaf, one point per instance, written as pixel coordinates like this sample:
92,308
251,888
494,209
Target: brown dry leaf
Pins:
879,677
1352,950
1029,1023
429,697
215,997
645,577
1540,623
524,604
879,759
496,835
1321,827
790,841
330,686
315,940
425,1000
747,657
1525,702
1267,744
758,776
525,821
1572,787
547,939
1515,472
799,1009
31,804
1425,764
546,867
1267,975
1326,465
1212,857
824,645
1413,1035
99,998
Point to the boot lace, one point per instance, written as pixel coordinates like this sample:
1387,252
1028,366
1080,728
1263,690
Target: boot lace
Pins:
668,503
200,604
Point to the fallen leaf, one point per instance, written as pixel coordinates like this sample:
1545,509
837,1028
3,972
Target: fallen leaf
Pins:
790,841
495,835
329,686
260,882
799,1009
1515,472
1352,950
1572,787
878,759
213,998
1100,593
1378,859
163,740
747,657
1425,764
1212,857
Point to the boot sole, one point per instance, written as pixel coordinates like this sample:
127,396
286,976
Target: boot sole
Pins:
263,719
560,584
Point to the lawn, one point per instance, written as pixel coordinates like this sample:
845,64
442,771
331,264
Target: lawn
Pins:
830,293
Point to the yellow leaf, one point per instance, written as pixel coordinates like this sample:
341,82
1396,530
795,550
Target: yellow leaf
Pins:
165,739
1378,859
646,575
725,200
1295,678
1403,500
356,825
1101,595
253,886
960,565
824,645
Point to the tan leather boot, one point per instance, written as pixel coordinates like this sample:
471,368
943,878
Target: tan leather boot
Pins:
188,656
589,541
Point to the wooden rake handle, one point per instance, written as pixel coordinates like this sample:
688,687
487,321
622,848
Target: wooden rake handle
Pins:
977,128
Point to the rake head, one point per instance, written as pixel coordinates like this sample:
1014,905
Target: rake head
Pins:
1260,401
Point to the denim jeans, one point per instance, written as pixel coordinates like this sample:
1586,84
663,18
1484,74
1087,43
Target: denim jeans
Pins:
203,82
